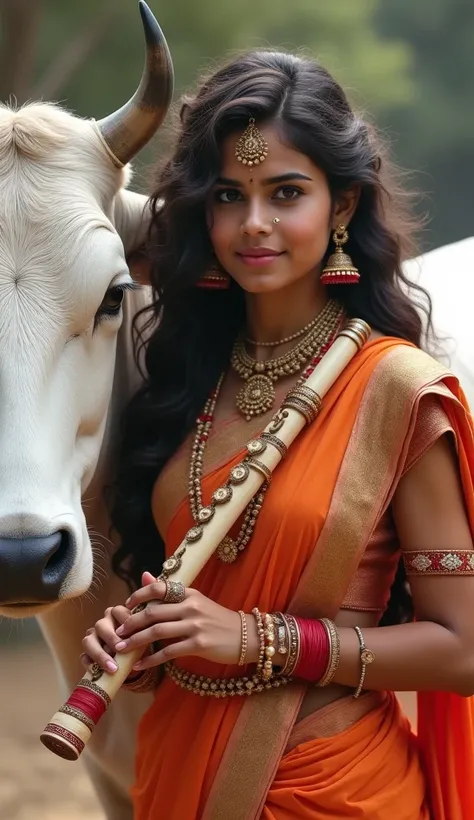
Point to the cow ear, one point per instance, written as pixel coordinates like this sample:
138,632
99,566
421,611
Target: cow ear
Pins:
131,218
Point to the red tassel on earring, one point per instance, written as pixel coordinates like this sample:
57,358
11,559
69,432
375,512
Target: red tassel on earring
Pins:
340,269
215,281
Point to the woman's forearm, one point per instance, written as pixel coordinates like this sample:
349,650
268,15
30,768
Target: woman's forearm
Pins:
422,656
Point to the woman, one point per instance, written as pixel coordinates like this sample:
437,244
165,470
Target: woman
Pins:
270,175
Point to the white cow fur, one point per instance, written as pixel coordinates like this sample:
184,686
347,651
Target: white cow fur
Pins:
64,221
447,273
62,203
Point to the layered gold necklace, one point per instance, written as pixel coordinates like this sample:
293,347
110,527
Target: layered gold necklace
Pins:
257,396
310,354
229,548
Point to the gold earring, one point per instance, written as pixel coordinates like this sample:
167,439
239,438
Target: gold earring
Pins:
214,278
251,147
340,269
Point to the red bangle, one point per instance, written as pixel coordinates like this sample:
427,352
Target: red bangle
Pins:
315,649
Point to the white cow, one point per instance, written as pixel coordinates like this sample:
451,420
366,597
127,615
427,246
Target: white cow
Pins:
447,274
66,369
67,222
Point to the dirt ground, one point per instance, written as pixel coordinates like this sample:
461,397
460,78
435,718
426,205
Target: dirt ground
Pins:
35,784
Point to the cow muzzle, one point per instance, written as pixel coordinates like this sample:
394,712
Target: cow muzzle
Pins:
34,568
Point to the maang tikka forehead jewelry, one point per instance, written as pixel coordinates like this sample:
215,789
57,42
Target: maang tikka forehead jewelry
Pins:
251,147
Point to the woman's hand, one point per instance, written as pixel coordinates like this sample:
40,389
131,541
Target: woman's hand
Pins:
100,642
197,626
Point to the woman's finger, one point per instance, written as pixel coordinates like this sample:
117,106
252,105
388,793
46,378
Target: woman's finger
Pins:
150,592
154,612
175,650
148,578
105,630
96,652
120,614
86,660
157,632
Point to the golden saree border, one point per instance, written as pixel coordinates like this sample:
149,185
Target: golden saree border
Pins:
369,472
333,718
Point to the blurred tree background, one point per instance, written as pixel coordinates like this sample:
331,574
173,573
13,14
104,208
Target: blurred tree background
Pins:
409,64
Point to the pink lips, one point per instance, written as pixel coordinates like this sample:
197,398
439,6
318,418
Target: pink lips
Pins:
259,256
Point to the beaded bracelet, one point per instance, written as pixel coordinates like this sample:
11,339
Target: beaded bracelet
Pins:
366,657
261,636
269,635
244,639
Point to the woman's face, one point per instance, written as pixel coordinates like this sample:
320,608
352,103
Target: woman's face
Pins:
260,254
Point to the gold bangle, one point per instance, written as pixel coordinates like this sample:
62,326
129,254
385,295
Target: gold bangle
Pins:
282,631
294,645
334,653
244,640
366,657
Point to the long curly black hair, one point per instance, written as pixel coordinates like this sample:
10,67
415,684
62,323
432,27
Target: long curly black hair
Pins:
192,331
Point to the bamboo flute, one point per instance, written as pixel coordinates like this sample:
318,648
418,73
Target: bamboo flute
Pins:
71,727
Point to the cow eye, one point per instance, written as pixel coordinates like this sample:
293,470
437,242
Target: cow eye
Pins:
112,302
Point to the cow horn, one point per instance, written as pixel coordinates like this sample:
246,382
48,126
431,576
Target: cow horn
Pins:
127,130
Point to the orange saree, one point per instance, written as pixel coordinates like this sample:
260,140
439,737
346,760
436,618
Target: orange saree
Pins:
243,759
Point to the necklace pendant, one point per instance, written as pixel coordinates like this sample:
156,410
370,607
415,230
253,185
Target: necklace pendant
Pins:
227,550
256,396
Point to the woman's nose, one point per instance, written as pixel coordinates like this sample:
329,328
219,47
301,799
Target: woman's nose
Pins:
257,221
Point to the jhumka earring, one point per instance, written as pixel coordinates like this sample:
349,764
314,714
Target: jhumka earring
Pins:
340,269
215,278
251,148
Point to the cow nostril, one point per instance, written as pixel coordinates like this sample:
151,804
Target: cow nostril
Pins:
34,568
59,556
58,549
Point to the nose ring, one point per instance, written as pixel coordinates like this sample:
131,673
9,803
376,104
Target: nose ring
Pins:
276,220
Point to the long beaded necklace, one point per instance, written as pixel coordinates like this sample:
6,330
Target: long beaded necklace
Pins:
229,548
257,395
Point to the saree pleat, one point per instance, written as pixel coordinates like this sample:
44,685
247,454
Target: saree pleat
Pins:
188,746
371,771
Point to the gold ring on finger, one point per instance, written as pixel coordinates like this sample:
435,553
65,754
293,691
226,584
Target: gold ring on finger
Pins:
175,592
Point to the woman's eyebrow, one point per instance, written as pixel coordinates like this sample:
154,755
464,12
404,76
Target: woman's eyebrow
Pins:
270,181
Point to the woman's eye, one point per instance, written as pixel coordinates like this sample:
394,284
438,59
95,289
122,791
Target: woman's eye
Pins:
288,192
228,195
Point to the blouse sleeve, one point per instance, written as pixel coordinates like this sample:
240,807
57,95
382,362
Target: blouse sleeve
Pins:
431,423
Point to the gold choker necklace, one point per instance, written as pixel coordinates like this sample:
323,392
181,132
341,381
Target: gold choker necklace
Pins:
257,396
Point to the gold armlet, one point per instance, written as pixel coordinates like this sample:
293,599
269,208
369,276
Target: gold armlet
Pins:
432,562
